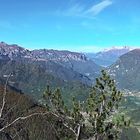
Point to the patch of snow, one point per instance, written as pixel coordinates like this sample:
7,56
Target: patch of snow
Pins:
117,66
113,74
87,74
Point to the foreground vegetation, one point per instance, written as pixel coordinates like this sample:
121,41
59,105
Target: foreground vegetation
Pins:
98,117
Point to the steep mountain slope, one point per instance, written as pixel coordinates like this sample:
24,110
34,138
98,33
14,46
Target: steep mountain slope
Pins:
109,56
75,61
33,128
126,70
32,77
127,75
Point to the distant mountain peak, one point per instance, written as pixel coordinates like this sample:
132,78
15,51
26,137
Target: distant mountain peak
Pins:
10,46
3,43
109,56
117,48
12,51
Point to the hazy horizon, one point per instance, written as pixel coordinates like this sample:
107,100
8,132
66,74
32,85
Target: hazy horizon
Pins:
89,50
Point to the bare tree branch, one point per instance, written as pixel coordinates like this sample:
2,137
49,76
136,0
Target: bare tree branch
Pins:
14,106
78,133
70,128
21,118
4,95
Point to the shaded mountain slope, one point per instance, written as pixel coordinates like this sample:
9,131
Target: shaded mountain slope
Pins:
32,77
126,70
34,128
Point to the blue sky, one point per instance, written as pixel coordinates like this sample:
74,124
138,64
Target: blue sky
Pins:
77,25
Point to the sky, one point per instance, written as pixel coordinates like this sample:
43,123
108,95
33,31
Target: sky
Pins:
76,25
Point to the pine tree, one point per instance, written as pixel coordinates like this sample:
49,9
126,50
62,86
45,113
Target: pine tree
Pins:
92,118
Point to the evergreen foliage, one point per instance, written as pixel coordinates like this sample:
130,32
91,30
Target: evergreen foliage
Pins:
92,118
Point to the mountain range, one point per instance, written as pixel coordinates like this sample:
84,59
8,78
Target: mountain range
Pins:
33,70
73,61
37,68
109,56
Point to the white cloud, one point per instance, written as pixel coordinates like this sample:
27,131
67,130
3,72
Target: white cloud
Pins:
80,10
96,9
74,10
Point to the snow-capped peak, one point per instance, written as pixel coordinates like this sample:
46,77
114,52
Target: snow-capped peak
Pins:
115,48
